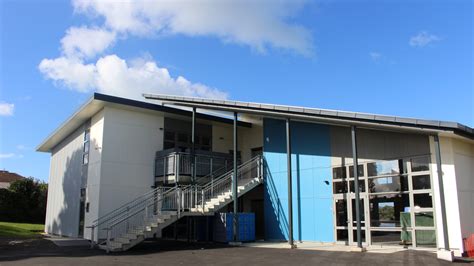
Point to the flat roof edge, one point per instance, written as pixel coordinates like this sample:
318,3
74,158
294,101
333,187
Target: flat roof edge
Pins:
375,119
45,145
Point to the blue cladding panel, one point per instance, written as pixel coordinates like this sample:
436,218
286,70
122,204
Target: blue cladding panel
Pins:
312,186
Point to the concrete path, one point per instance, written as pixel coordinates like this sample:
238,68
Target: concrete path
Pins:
182,253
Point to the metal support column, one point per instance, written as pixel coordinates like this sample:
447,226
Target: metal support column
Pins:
234,182
290,188
356,185
441,192
193,147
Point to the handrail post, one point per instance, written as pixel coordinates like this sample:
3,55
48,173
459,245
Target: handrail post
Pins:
92,236
127,224
202,199
108,239
178,201
211,166
195,195
146,213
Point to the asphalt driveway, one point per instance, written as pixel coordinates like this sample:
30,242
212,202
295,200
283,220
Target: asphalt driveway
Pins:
44,252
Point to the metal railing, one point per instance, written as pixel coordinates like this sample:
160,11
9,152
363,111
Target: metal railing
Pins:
133,216
173,163
196,196
155,198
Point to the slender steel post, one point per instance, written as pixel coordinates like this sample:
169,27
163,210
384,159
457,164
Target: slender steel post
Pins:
234,181
356,185
441,191
290,189
193,147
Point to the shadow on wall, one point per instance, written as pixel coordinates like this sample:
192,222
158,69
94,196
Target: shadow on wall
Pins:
276,228
64,211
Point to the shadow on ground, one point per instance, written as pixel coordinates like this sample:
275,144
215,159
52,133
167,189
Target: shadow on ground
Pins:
166,252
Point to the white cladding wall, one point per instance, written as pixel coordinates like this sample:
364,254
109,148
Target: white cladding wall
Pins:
450,196
131,138
62,213
94,170
464,164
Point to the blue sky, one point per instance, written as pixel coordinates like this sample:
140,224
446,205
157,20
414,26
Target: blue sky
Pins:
405,58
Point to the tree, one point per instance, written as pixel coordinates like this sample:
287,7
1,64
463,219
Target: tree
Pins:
24,201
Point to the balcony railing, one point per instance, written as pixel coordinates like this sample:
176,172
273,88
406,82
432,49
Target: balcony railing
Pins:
173,166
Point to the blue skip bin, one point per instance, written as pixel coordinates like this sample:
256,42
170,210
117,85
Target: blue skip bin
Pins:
223,229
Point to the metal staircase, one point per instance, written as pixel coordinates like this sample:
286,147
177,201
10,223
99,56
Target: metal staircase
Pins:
147,215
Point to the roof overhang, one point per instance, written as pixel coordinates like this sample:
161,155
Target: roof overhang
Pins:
98,101
325,116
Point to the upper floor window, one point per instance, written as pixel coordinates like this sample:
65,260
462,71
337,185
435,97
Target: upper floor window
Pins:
86,147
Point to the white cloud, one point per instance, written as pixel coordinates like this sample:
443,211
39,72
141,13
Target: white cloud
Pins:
72,73
261,25
86,42
21,147
258,24
422,39
375,56
6,155
113,75
6,109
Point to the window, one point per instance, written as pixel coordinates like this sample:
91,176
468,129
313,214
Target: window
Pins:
421,182
385,168
183,141
361,186
388,184
340,187
360,170
86,147
424,219
341,212
420,164
423,200
386,210
339,172
425,238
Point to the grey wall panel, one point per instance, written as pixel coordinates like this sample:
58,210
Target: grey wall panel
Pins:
377,145
62,215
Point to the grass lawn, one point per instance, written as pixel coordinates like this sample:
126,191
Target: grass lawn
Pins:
20,229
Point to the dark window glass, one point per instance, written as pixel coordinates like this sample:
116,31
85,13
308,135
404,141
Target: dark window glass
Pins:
169,135
388,184
425,238
424,219
85,158
361,186
341,212
168,145
360,170
339,172
87,135
354,235
387,237
342,235
385,168
86,147
420,164
340,187
389,210
206,141
182,137
362,213
423,200
421,182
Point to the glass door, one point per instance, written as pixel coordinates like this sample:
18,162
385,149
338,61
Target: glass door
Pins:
353,219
